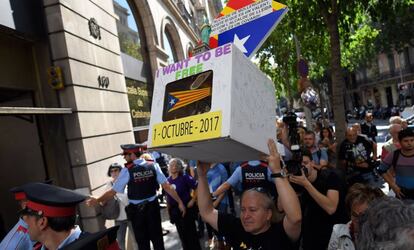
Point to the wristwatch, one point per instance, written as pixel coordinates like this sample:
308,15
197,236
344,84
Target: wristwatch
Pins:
281,174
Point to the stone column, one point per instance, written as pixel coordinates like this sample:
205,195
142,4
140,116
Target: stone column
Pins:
84,43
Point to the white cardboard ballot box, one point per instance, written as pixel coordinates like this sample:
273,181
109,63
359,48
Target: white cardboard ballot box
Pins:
216,106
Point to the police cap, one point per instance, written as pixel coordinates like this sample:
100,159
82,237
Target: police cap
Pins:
103,240
133,148
18,193
51,201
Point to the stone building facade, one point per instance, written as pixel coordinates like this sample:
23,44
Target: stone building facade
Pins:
72,134
389,81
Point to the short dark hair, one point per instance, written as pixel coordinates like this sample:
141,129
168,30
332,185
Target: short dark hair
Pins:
60,224
306,152
310,133
405,133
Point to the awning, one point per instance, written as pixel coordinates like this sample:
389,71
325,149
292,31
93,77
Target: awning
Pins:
34,111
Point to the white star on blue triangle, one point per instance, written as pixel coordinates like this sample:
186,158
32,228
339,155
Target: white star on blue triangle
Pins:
249,36
172,101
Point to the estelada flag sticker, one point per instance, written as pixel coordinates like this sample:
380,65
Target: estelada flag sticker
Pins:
246,23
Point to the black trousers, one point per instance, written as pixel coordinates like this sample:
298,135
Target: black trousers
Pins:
146,223
187,231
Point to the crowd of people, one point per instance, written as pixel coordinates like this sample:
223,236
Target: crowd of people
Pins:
325,194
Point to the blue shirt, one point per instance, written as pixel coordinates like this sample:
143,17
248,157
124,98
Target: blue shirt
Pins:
17,238
236,178
216,176
315,156
123,179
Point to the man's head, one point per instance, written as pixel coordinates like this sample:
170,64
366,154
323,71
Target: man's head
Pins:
357,127
309,139
369,117
131,152
256,210
394,130
351,135
406,138
49,208
307,162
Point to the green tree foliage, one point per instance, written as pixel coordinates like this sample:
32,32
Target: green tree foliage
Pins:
333,35
395,20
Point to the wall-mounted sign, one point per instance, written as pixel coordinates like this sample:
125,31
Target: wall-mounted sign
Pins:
103,81
94,29
139,102
55,78
246,23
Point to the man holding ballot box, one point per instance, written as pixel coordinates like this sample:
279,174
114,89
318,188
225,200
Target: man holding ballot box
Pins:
254,229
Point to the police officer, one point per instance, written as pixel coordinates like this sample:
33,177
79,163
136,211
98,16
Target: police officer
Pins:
18,237
50,214
142,178
249,174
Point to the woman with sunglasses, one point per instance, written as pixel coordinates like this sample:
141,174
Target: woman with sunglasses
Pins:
358,199
113,172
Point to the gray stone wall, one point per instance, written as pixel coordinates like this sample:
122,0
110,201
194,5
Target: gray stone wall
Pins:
101,120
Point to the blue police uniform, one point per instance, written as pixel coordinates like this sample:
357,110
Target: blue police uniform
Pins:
17,238
143,179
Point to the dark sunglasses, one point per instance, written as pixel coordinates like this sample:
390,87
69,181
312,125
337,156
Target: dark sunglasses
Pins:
262,190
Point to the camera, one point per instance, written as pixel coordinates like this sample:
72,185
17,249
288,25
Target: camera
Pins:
294,165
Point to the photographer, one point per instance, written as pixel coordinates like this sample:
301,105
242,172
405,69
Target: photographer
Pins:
356,160
254,229
322,202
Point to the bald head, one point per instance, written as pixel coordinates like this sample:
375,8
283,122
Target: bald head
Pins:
394,130
351,134
357,127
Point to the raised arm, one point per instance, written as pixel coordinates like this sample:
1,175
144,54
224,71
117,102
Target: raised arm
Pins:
287,196
205,204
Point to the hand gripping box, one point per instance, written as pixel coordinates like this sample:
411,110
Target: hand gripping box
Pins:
216,106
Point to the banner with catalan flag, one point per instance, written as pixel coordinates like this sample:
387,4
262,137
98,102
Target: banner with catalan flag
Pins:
246,23
188,96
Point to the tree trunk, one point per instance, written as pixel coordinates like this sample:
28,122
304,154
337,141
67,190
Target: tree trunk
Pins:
338,82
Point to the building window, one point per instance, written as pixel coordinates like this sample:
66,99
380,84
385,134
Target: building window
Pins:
168,46
128,35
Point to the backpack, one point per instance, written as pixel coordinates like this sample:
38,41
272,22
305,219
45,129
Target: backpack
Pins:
395,158
110,211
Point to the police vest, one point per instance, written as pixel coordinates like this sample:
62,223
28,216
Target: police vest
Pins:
142,181
254,176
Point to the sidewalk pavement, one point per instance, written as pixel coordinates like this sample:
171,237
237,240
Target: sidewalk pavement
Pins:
172,240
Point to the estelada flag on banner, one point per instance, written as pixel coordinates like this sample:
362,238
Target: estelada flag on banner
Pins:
246,23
